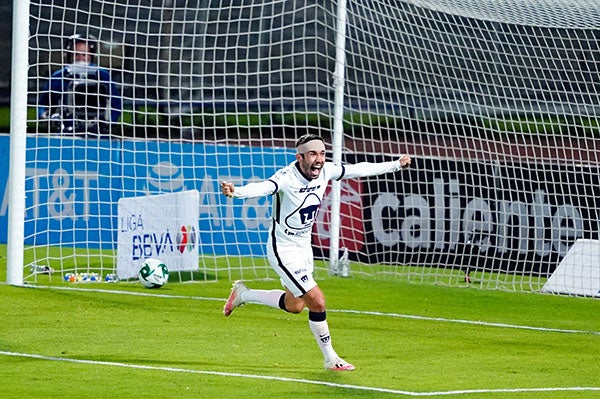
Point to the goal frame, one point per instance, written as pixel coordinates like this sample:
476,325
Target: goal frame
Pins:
18,130
502,151
16,184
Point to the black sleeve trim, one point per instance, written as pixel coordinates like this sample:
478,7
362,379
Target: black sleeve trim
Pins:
342,174
276,186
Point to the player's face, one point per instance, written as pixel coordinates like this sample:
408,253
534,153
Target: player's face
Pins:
81,53
311,163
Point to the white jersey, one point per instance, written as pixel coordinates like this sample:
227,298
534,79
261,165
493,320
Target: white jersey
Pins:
295,205
297,198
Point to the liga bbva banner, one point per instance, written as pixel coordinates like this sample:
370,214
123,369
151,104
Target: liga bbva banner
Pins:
163,226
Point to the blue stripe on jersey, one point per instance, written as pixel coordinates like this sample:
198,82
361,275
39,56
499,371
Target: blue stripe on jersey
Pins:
280,263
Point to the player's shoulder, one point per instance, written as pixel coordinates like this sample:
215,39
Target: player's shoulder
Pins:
59,73
285,173
288,168
332,168
103,72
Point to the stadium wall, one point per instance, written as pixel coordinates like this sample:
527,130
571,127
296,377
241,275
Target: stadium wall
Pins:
465,212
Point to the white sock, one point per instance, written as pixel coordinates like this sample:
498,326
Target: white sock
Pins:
320,330
265,297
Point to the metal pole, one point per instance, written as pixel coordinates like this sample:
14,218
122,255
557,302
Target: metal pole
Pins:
338,133
18,130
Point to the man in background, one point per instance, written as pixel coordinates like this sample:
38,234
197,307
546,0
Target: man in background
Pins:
81,97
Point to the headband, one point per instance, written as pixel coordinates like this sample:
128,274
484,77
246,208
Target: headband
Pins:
315,145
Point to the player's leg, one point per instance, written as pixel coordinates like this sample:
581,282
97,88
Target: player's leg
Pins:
241,294
295,268
296,274
317,321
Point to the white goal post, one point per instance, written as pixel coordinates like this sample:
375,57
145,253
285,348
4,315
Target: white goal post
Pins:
497,102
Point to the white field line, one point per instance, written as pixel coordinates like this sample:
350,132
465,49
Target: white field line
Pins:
305,381
473,322
296,380
358,312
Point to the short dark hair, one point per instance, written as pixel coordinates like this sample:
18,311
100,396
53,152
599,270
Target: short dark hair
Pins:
89,39
308,137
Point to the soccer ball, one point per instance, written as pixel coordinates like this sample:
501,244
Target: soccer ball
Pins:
153,273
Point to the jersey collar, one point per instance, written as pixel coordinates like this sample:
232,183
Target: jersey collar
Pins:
297,165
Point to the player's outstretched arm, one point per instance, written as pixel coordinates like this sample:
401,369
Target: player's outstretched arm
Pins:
250,190
365,169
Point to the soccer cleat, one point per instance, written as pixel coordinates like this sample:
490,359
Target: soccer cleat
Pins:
235,298
338,364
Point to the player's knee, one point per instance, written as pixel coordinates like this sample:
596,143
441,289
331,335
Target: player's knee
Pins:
319,307
295,308
316,304
291,304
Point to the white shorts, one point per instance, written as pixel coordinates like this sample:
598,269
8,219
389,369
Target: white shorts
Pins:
295,268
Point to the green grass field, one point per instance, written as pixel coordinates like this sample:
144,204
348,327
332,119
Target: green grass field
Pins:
119,340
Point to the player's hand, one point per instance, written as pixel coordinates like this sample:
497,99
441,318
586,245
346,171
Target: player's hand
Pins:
405,161
227,188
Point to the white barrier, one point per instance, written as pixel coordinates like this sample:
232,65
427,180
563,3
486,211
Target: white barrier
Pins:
161,226
579,271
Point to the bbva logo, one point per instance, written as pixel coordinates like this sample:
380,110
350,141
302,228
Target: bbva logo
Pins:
186,238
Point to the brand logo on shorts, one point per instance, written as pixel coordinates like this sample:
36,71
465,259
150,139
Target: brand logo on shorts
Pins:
304,279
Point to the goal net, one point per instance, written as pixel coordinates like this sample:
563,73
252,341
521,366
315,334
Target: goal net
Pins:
496,101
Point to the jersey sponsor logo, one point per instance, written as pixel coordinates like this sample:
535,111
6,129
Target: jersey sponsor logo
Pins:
308,189
297,233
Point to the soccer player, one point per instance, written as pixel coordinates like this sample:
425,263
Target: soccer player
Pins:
298,190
